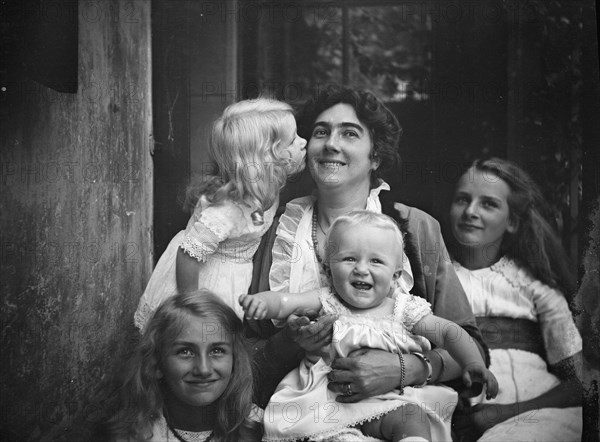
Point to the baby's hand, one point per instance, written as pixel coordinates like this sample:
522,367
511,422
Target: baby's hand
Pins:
477,373
254,306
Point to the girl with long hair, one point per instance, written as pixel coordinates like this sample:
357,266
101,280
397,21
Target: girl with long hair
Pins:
255,147
189,377
514,272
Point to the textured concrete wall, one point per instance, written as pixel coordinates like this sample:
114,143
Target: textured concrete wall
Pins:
76,220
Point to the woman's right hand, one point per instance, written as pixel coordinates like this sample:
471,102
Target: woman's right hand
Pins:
310,335
371,372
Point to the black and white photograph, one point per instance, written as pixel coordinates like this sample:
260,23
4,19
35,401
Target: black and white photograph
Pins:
299,220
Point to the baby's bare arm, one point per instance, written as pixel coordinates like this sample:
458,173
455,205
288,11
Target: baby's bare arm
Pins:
279,305
462,348
450,336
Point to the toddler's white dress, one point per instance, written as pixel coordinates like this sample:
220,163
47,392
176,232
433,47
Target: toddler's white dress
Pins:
224,239
303,407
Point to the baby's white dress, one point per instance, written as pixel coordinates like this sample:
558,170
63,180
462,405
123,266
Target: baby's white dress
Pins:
303,407
224,239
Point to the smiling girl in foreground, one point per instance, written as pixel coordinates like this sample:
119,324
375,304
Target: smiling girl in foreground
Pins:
189,378
256,147
364,260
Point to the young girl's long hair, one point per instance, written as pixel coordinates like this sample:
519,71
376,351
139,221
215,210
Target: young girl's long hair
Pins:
246,143
141,397
535,245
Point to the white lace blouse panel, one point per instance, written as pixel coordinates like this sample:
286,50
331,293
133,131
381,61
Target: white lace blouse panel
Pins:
507,290
295,267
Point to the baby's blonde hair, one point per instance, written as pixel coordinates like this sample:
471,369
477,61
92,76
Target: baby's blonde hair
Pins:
361,218
246,144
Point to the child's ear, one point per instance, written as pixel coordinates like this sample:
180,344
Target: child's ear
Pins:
513,225
396,275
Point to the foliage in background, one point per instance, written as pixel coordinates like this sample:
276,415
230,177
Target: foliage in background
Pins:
389,50
390,53
552,123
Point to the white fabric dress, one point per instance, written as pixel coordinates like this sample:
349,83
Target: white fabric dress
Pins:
224,239
507,290
162,433
302,406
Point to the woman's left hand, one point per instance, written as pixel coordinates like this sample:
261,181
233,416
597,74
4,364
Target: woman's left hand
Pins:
310,335
364,373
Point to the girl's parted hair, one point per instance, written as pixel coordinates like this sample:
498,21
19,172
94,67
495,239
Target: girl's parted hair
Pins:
535,245
246,143
141,397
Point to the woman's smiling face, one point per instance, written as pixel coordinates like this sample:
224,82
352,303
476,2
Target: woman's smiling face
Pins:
339,149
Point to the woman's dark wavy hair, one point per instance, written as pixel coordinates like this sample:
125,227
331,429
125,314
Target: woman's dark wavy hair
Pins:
141,393
383,126
535,245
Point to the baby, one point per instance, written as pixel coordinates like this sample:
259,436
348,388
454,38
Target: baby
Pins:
364,262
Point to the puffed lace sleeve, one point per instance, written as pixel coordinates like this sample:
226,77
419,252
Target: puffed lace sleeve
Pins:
288,252
411,309
256,414
209,226
560,335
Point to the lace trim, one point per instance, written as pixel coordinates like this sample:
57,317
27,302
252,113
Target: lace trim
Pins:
142,316
337,429
288,244
332,305
256,415
414,310
195,250
166,434
285,250
515,275
192,436
217,225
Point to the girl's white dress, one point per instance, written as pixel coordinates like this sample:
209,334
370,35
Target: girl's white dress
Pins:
508,290
224,239
162,433
303,407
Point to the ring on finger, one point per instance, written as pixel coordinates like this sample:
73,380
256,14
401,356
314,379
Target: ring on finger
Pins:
347,389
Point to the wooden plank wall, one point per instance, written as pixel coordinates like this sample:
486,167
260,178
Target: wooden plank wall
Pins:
76,224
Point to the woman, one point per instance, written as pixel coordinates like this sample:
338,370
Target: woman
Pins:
514,272
353,140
